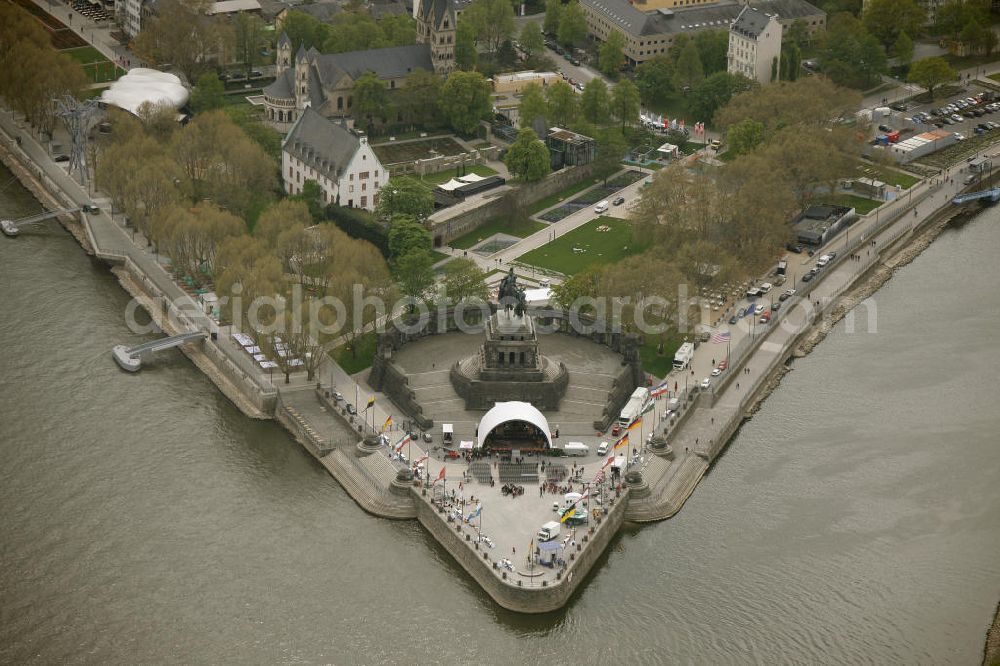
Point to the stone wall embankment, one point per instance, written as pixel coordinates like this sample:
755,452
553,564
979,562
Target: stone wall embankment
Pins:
478,562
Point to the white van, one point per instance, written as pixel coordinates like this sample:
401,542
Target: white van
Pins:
823,261
601,207
766,287
576,449
602,449
549,531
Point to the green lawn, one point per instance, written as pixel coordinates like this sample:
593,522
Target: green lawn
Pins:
520,227
659,365
862,205
85,55
887,175
553,199
593,247
352,363
439,256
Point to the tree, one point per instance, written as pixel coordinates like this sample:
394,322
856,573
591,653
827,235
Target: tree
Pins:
181,33
812,100
625,102
553,15
465,100
414,274
464,281
744,136
849,55
902,50
655,79
953,15
532,41
930,73
533,105
611,55
493,21
791,61
418,98
404,195
249,39
572,24
312,196
713,49
973,35
279,217
563,103
886,19
370,98
407,235
688,70
611,150
595,102
528,158
466,54
208,93
713,93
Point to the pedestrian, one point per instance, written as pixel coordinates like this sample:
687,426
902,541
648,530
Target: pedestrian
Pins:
696,441
713,361
737,386
713,420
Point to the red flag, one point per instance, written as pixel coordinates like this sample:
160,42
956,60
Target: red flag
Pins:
439,477
607,462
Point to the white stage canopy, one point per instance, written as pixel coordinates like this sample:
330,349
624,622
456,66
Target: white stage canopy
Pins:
145,85
503,412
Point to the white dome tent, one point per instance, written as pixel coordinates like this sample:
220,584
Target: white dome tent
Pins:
142,85
504,412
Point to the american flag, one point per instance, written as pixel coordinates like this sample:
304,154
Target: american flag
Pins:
721,336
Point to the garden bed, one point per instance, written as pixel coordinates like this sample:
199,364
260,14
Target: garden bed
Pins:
396,153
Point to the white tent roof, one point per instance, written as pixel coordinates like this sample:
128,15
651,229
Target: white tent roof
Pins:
451,185
145,85
471,178
511,411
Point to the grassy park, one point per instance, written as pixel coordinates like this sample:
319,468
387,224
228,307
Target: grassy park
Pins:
519,227
586,247
97,68
356,362
394,153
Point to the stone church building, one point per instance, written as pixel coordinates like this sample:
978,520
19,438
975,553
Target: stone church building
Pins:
325,82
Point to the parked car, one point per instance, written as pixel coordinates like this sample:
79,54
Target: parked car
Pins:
808,276
785,296
793,247
61,158
428,437
90,208
723,364
766,317
716,372
733,320
884,128
758,309
351,409
618,201
959,136
776,306
706,382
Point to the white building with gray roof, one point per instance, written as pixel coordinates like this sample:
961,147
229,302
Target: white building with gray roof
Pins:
755,46
337,157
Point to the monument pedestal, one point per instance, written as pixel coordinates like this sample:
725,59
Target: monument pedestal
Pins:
509,367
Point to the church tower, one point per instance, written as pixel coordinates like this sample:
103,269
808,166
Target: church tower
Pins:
284,59
437,25
301,79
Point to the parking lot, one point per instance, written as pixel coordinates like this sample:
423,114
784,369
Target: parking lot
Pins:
974,112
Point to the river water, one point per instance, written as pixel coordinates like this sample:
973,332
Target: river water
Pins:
143,519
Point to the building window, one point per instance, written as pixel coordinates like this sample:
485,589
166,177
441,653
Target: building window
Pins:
364,202
363,175
350,203
350,189
364,186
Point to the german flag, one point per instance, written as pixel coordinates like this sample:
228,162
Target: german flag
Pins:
388,422
371,403
622,442
635,424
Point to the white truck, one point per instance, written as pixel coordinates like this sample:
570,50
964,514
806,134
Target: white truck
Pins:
638,404
576,449
549,531
684,356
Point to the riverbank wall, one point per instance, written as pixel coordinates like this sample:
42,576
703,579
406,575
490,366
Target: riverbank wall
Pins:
516,590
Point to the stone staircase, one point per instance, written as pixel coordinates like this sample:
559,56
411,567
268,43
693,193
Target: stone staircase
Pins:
373,498
672,490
